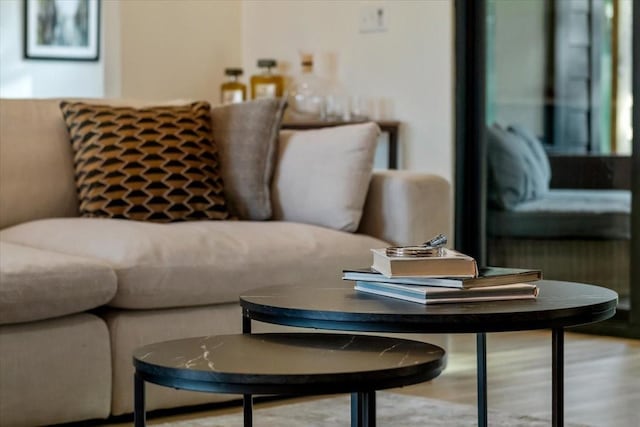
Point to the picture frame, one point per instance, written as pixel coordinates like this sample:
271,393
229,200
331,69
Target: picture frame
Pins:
62,30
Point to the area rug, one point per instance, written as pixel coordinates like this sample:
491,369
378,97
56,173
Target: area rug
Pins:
393,410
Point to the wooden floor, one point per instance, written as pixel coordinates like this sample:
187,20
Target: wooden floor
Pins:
602,378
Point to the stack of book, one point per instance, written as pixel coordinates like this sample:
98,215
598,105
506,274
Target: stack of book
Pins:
450,277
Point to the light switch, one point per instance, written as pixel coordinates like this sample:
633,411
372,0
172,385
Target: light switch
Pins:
373,18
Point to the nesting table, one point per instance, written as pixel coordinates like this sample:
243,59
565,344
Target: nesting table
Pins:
289,364
559,305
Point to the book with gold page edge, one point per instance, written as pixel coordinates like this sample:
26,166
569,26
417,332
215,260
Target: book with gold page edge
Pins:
449,263
440,295
487,276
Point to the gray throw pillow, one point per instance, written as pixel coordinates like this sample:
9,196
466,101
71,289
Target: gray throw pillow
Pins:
536,147
514,173
247,136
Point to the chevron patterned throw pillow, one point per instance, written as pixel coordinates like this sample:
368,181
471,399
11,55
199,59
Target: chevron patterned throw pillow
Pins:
148,164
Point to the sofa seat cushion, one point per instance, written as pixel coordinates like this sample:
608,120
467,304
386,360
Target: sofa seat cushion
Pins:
567,213
202,262
38,284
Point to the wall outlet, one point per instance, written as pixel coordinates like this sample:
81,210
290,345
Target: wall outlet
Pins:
373,18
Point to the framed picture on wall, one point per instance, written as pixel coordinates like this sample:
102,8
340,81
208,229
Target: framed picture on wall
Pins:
62,29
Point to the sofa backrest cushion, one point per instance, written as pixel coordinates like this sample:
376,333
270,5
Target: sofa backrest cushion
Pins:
36,157
148,164
322,176
247,137
36,162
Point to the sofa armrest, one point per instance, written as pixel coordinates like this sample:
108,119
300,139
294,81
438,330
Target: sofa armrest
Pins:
407,208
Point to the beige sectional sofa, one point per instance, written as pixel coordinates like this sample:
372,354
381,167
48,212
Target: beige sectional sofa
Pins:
78,295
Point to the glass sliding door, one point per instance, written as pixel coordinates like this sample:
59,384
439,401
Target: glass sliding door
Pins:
557,156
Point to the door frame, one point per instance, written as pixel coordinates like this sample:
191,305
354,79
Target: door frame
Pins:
470,151
470,145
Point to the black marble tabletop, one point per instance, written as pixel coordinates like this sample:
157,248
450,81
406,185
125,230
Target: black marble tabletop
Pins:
559,304
295,362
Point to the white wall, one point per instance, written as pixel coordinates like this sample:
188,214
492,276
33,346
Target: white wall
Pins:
158,50
26,78
112,53
154,50
408,68
175,49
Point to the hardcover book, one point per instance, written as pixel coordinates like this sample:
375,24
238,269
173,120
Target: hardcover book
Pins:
450,264
440,295
487,276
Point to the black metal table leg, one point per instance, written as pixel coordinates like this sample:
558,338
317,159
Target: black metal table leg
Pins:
246,322
557,377
363,409
139,413
481,358
247,410
356,410
247,399
393,148
370,408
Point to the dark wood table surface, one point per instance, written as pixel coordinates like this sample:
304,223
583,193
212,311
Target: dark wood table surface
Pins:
559,305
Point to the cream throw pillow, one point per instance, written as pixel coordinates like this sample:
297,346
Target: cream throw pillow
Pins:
322,176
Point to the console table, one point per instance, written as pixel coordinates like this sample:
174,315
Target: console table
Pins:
391,127
559,305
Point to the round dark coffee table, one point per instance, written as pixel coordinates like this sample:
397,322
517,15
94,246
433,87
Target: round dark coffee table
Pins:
289,364
559,305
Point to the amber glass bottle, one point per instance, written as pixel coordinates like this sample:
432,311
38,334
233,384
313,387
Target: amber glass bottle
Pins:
233,91
266,84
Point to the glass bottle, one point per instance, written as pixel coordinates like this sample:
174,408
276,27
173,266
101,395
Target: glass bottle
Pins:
232,91
307,94
266,84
